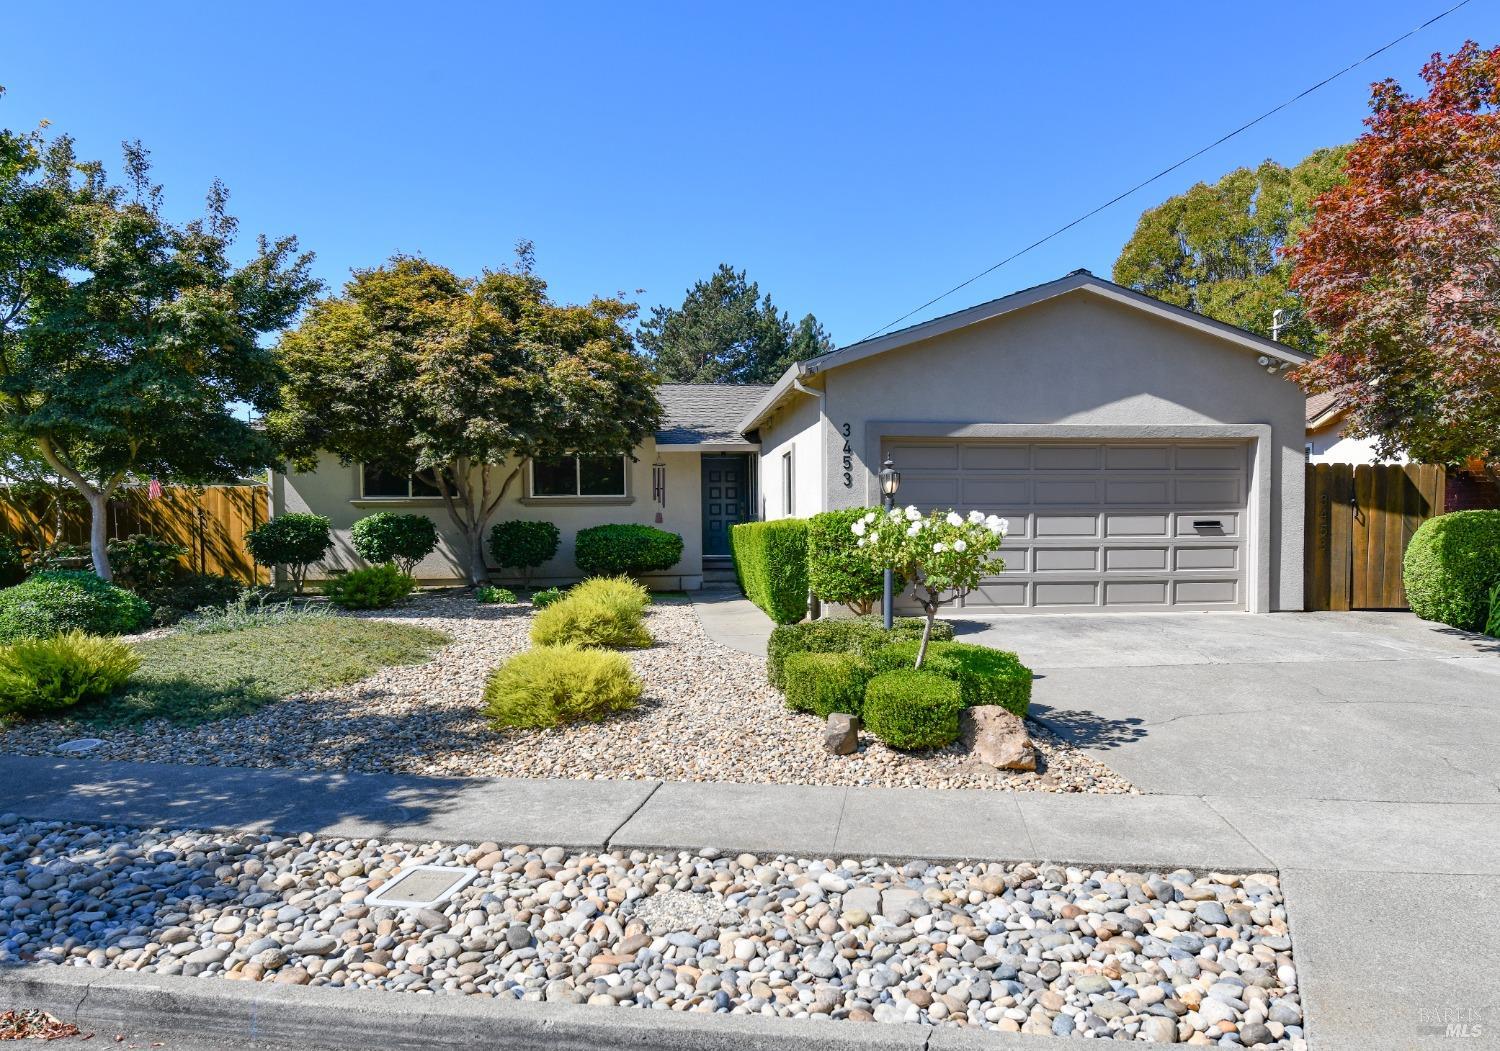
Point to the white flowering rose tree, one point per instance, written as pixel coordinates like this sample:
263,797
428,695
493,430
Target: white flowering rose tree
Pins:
942,553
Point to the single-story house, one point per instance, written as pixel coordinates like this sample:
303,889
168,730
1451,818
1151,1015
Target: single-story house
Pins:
1327,416
1147,457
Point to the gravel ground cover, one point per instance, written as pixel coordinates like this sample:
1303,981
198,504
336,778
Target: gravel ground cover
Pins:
1166,956
708,714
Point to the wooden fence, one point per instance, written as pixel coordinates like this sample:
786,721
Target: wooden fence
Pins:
1359,521
210,522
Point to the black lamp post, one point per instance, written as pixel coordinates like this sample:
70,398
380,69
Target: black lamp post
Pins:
890,481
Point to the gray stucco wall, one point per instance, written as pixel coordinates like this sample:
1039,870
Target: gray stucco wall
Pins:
1081,361
334,490
796,428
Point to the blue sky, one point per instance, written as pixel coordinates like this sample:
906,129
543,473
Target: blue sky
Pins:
857,160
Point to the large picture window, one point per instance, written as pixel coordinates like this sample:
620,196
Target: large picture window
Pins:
578,476
379,484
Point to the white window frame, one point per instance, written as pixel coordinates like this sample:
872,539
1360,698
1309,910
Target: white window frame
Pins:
409,494
788,485
577,493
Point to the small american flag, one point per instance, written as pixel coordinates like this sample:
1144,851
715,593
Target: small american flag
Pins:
153,491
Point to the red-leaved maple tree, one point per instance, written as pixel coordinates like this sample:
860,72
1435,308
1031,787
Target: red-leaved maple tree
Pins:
1400,267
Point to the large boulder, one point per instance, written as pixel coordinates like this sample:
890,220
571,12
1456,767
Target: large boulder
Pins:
998,738
841,735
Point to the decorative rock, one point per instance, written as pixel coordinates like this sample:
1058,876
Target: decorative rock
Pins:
1158,1029
841,734
998,738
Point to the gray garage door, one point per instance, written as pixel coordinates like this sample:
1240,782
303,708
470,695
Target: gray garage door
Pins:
1094,525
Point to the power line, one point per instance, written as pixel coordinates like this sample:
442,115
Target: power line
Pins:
1169,170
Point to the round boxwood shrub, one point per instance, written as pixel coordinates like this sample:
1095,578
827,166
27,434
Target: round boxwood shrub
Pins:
1451,565
555,685
862,635
295,540
523,545
626,549
984,675
911,710
59,600
386,536
824,683
38,676
837,570
12,562
373,588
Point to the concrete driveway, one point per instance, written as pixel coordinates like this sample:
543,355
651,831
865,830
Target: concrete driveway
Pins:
1372,706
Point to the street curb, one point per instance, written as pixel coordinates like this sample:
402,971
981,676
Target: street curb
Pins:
237,1014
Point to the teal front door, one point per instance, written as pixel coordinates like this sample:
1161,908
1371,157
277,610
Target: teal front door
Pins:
726,500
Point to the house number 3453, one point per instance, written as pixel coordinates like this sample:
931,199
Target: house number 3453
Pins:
845,430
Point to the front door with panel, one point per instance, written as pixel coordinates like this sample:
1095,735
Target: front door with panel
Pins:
726,500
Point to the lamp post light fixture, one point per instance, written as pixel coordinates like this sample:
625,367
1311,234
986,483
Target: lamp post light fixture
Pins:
890,481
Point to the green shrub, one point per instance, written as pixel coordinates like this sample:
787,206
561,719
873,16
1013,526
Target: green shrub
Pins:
555,685
190,593
142,562
984,675
489,595
12,564
911,709
631,550
386,536
837,570
373,588
252,609
523,545
544,598
824,683
911,627
58,600
861,635
38,676
771,561
1492,622
295,540
1451,564
603,611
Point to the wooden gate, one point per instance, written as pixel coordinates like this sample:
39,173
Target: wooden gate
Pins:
1359,521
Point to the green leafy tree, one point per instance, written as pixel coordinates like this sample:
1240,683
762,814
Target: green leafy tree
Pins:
1222,250
727,332
123,336
461,381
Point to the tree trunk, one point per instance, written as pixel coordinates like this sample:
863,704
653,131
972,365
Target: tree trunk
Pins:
478,571
930,608
99,533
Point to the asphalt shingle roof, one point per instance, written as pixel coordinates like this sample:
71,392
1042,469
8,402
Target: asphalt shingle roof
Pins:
1318,404
706,412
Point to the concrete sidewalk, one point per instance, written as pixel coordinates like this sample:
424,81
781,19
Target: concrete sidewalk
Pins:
1391,904
732,620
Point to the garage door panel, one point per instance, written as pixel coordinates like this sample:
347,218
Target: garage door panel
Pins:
1095,525
995,457
1016,559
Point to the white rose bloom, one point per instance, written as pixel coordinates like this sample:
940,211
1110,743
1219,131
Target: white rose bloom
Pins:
998,526
873,538
975,517
959,545
859,527
939,548
860,542
914,529
953,518
870,517
912,514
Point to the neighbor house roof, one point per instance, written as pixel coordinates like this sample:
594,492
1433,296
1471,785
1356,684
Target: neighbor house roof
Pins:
706,413
1077,281
1323,408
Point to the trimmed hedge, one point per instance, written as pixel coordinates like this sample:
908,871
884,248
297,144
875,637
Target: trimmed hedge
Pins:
1492,624
860,636
1451,565
554,685
911,710
387,536
603,611
59,600
625,550
984,675
770,559
38,676
837,570
524,545
824,683
375,588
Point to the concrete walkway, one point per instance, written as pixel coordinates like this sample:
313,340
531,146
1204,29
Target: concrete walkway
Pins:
1392,904
732,620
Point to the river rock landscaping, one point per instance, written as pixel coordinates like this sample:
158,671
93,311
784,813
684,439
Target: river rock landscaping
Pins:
1046,949
707,714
